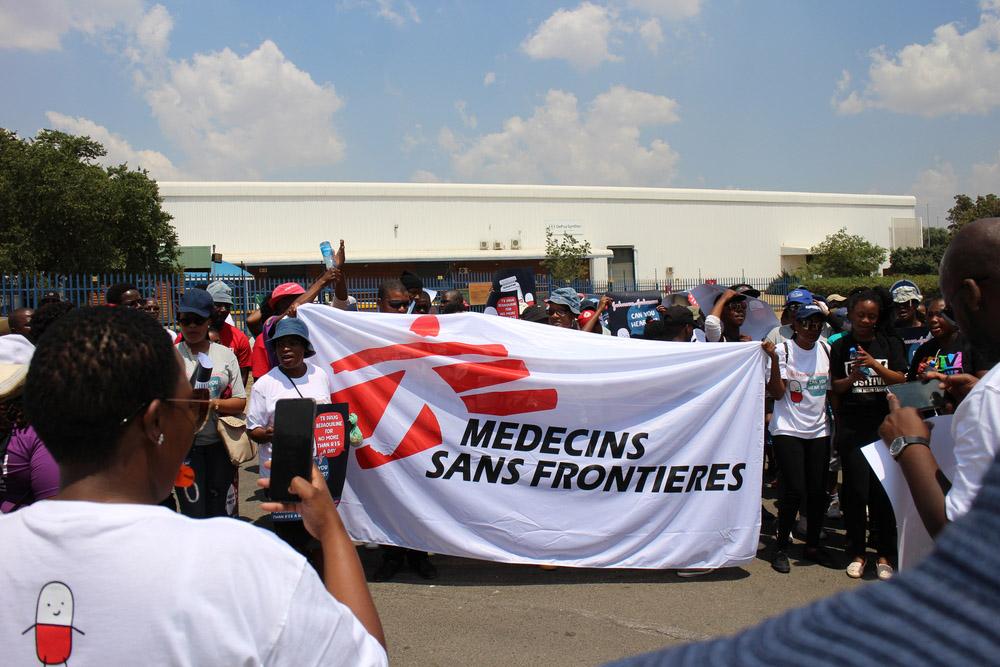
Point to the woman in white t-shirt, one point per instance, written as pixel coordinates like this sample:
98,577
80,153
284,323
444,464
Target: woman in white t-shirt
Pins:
801,432
291,378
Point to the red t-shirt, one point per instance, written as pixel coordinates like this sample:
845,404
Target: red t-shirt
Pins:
235,340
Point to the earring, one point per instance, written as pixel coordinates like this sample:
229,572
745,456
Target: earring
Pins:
159,441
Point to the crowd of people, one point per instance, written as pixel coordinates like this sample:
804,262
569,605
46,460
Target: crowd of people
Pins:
97,407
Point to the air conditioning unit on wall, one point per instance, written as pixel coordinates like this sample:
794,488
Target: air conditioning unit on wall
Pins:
484,245
497,245
515,244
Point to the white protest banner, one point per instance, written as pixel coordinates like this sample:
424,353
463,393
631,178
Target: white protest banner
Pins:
509,441
913,539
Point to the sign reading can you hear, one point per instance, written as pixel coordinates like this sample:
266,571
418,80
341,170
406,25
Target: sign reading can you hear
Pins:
479,441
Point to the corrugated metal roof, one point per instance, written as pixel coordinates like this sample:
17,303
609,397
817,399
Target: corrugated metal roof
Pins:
181,189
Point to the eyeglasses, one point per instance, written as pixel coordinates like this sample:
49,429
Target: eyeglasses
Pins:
195,320
151,309
811,324
738,307
203,410
557,312
396,305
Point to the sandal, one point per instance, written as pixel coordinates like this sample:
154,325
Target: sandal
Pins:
884,571
856,569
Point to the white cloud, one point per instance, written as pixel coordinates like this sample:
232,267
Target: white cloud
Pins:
414,139
396,12
118,149
671,9
152,35
489,79
986,177
651,34
561,144
468,119
246,116
578,36
936,187
39,25
424,176
956,73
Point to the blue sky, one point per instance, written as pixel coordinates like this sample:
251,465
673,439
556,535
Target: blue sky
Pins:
893,97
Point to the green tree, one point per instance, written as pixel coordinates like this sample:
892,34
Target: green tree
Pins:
923,260
565,257
965,210
62,212
843,254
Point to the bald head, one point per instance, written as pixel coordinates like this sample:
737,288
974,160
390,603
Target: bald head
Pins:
20,321
970,273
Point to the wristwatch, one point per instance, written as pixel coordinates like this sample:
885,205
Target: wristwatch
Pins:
897,446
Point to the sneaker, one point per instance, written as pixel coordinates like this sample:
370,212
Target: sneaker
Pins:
856,569
884,571
833,511
694,572
780,563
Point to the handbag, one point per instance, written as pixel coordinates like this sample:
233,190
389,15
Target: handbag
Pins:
233,431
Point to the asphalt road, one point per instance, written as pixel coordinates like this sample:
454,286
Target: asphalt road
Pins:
481,613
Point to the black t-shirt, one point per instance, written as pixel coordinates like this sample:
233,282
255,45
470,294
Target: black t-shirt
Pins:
866,400
951,358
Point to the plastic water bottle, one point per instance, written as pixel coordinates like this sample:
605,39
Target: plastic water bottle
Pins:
853,356
327,251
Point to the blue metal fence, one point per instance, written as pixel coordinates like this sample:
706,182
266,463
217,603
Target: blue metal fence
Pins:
27,290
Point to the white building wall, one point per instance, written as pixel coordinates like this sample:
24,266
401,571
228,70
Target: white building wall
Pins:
697,232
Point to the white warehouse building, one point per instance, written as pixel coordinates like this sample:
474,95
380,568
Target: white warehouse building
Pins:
635,233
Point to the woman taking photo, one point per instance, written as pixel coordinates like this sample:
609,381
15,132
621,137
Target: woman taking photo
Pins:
214,490
114,404
291,378
800,380
863,363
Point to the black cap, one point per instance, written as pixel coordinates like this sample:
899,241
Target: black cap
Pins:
535,314
678,316
746,290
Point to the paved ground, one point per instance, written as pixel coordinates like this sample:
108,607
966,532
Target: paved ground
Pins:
480,613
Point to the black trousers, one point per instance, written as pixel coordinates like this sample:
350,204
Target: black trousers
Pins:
862,498
802,472
213,475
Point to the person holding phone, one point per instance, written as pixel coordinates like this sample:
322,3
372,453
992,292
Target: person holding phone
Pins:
150,585
293,377
801,431
862,364
214,490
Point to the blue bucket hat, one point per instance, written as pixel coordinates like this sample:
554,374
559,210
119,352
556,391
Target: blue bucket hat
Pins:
290,326
196,301
807,311
565,296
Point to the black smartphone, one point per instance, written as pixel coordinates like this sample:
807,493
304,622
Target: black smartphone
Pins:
924,396
291,445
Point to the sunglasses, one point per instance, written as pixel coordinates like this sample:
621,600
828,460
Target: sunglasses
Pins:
188,320
396,305
738,307
811,324
200,408
557,312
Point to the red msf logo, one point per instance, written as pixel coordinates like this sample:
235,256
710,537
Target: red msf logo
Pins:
370,399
